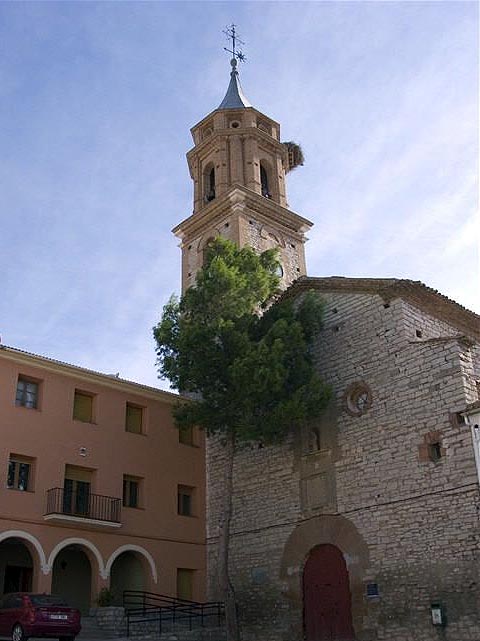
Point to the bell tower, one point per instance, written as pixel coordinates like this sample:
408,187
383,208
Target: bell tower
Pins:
238,167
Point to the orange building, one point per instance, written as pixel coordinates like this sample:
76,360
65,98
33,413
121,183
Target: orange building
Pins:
99,489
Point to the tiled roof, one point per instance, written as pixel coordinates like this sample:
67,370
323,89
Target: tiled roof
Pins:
412,291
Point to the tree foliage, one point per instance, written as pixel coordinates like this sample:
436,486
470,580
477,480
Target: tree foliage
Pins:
248,363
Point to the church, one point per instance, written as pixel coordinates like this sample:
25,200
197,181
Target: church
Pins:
364,525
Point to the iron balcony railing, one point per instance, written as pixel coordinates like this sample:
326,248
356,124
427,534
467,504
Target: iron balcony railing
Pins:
83,504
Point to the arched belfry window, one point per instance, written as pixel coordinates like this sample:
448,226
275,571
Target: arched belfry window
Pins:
264,182
209,183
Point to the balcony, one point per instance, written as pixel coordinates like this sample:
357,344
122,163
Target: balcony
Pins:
82,507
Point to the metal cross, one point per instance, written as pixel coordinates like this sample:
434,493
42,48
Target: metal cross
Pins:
230,32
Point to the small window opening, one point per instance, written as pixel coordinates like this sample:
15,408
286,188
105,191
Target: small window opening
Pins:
418,333
27,393
334,310
205,248
435,451
185,500
235,124
314,443
210,185
186,436
264,182
387,305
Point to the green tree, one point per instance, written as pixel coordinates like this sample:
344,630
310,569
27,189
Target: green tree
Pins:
245,361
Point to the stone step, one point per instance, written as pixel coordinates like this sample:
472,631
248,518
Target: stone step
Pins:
91,630
200,634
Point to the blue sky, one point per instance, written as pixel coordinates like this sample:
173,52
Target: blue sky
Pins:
96,104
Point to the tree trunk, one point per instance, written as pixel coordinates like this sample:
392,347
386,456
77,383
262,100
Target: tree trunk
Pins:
226,588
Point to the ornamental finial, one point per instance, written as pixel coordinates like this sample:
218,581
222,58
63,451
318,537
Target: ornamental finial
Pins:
231,34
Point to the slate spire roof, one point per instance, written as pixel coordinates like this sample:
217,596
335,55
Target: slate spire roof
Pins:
234,98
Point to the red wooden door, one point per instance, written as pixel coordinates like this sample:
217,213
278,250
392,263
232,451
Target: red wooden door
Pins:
326,596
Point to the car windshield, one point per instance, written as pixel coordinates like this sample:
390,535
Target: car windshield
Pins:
46,599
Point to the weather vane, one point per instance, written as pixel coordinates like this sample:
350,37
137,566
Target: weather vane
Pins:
231,33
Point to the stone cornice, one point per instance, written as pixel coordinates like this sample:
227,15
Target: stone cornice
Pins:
209,116
237,199
244,132
105,380
413,292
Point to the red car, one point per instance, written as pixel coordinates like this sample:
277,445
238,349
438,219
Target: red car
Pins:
24,615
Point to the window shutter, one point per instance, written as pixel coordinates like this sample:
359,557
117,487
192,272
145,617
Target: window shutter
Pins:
83,407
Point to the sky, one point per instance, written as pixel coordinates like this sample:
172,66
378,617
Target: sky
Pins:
96,104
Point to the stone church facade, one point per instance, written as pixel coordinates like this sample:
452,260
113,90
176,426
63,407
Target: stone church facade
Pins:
364,525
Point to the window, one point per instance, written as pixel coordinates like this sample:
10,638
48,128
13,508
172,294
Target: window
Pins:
27,393
19,474
435,451
357,397
76,490
185,435
264,182
209,184
432,448
83,407
134,419
131,491
185,500
185,584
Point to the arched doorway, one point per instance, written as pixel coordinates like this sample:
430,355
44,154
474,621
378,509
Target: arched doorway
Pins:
16,566
127,573
327,609
72,577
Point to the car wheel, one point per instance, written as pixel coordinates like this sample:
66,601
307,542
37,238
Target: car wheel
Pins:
17,633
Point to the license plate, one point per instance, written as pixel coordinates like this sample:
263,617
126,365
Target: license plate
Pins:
59,617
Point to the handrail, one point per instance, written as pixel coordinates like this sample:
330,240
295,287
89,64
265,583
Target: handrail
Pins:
85,505
160,609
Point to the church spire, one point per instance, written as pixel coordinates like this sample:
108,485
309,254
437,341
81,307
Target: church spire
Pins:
234,98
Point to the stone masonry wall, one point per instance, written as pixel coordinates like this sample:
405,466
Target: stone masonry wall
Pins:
395,488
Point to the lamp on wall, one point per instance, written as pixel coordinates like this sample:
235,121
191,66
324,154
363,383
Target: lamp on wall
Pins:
472,417
438,614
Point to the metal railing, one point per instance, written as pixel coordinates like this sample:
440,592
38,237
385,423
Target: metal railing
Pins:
160,612
85,505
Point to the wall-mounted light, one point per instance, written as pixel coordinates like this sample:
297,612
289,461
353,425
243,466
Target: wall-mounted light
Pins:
83,451
438,614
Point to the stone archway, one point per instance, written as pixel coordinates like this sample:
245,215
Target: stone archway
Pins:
74,563
141,553
127,573
72,577
17,566
336,531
